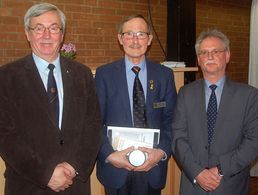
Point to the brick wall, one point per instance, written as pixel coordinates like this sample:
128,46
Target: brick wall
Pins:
233,18
92,24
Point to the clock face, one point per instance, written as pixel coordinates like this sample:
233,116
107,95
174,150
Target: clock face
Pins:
137,158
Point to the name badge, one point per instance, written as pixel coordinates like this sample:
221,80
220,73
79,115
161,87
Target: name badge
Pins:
159,104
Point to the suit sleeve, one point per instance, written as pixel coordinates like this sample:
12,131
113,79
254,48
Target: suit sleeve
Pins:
84,152
106,149
167,114
180,143
242,156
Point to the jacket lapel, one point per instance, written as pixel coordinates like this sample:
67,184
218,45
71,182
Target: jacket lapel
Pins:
153,87
37,88
67,77
226,96
120,81
200,110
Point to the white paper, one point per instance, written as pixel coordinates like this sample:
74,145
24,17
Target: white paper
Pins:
124,137
173,64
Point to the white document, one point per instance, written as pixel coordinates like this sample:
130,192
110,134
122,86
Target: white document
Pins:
173,64
124,137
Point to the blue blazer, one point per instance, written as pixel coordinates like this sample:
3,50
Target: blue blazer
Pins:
113,96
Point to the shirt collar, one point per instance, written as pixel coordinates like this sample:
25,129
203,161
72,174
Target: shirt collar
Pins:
129,65
42,64
219,83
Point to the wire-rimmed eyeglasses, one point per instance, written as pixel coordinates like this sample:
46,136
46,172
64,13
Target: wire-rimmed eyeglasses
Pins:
131,35
215,52
40,29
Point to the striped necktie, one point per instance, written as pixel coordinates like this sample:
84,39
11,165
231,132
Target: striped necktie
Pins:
139,115
52,92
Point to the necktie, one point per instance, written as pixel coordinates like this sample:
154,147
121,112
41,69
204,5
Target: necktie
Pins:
211,113
52,92
139,116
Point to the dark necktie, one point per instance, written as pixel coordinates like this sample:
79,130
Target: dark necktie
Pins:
211,113
139,115
52,92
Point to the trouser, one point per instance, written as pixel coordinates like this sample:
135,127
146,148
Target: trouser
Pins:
136,184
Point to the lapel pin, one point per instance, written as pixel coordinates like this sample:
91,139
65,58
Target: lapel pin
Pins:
151,85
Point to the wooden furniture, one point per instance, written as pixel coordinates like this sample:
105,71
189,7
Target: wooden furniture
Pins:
173,175
2,168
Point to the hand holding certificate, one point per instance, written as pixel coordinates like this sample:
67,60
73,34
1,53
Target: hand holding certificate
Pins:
124,137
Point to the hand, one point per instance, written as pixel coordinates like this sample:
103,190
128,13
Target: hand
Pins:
154,156
215,171
69,167
61,177
119,159
208,179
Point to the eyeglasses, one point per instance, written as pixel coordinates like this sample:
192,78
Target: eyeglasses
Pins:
131,35
214,53
40,29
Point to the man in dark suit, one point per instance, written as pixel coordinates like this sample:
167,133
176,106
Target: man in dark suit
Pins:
215,129
50,126
115,83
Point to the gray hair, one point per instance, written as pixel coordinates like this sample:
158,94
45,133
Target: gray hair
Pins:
212,33
128,18
39,9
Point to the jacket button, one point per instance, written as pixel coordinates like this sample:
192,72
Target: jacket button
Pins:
61,142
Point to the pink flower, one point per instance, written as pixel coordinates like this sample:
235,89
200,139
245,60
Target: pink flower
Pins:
68,51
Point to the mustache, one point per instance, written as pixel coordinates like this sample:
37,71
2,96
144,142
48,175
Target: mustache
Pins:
135,46
210,62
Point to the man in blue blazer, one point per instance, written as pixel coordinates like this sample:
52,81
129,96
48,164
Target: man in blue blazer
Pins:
114,83
215,157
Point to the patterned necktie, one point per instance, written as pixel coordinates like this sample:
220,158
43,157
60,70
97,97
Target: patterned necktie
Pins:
211,113
139,115
52,92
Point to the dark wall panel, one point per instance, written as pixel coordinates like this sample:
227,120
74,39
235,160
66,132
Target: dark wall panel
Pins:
181,31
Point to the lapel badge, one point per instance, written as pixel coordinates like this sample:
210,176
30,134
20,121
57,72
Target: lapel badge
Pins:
52,90
151,85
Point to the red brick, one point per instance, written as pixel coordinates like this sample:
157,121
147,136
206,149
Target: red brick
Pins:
92,27
233,20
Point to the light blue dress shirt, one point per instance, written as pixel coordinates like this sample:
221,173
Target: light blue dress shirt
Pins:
130,75
42,66
218,91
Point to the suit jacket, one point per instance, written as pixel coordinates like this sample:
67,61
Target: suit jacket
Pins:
113,96
31,144
235,140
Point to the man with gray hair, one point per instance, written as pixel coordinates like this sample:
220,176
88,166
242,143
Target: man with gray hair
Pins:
215,128
138,93
50,126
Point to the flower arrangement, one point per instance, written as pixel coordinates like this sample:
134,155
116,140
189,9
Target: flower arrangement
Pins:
68,50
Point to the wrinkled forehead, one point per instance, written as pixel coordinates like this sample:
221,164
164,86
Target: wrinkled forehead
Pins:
47,18
212,41
135,23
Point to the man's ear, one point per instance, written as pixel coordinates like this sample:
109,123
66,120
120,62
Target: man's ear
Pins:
227,56
27,35
119,36
150,39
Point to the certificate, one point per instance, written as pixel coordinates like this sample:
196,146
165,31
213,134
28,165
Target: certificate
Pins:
124,137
